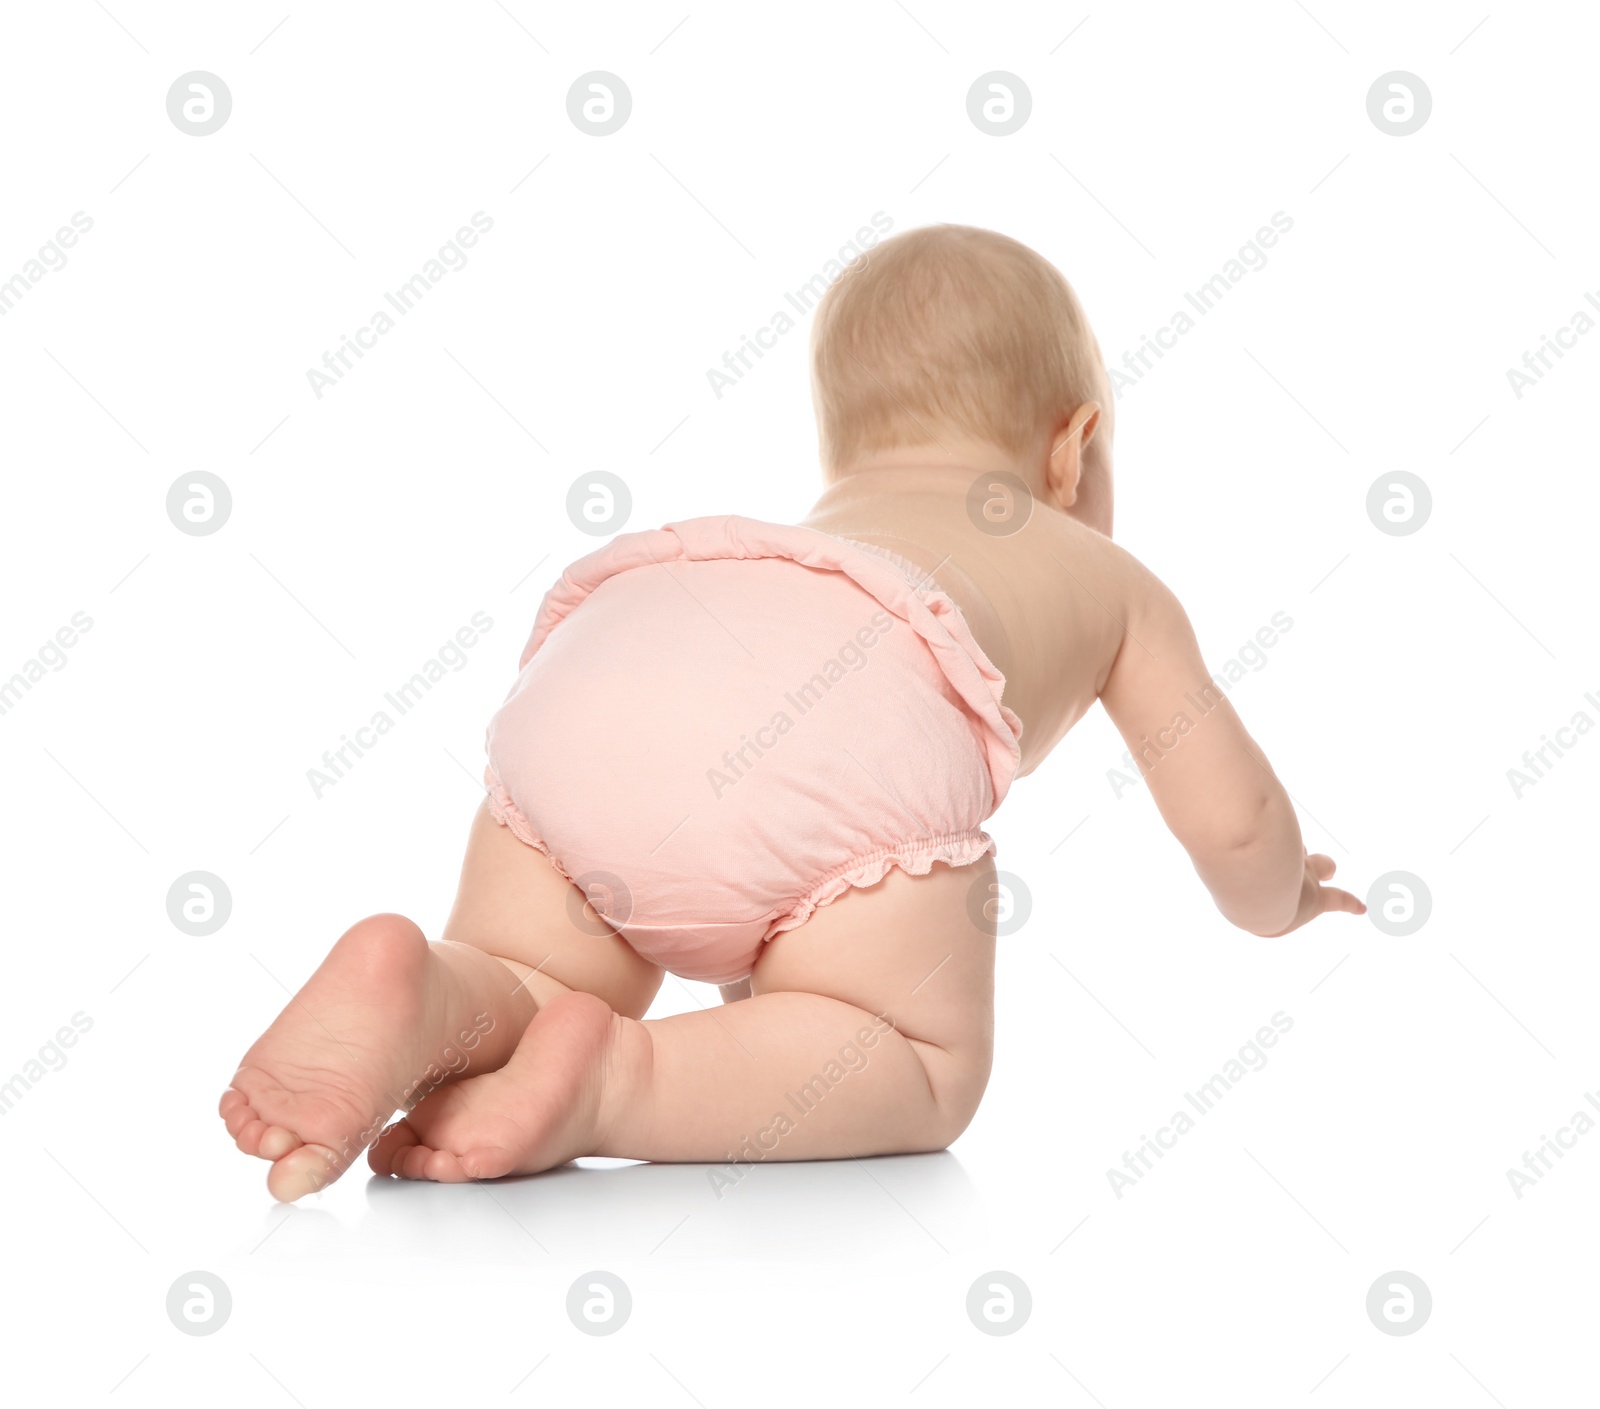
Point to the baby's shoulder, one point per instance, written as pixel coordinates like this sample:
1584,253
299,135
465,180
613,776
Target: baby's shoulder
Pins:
1084,594
1064,548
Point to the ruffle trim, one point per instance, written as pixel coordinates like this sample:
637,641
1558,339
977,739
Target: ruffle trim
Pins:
509,815
915,858
895,583
944,606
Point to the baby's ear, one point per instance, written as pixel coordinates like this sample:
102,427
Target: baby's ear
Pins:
1064,465
1062,475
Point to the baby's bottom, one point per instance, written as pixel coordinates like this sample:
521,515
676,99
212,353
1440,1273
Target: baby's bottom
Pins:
868,1031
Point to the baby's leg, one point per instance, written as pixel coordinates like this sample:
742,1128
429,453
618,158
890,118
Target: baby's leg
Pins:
869,1031
388,1017
512,903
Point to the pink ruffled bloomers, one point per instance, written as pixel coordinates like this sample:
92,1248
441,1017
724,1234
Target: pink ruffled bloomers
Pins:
722,724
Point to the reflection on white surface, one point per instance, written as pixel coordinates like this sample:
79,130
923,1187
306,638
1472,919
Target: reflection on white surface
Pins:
904,1206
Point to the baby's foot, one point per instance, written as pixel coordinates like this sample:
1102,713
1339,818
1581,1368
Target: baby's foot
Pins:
313,1089
541,1109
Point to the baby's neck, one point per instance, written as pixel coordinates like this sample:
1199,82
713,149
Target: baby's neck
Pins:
934,470
958,459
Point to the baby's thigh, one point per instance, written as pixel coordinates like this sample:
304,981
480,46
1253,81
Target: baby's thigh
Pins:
918,950
512,903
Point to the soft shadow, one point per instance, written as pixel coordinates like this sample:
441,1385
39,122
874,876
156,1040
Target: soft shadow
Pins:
292,1228
896,1206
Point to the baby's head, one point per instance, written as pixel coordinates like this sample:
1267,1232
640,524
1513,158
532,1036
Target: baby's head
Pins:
953,336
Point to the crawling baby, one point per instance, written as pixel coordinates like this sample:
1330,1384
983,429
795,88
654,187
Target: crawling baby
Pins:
761,756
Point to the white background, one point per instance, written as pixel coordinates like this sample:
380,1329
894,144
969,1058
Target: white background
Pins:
430,483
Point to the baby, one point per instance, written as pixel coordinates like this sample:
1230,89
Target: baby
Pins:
761,755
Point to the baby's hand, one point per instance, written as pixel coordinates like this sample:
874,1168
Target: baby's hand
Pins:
1317,899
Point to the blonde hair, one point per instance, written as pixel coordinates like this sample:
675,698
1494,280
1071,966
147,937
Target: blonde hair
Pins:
949,328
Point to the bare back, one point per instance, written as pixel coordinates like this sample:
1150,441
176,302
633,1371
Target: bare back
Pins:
1047,603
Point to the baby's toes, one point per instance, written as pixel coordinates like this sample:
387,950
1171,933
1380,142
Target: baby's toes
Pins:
412,1162
393,1143
236,1111
251,1134
275,1142
254,1136
425,1162
443,1167
307,1169
487,1163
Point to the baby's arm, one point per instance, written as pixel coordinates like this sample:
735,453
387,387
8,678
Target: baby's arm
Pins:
1209,778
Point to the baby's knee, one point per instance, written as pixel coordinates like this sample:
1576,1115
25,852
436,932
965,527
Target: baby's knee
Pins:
957,1078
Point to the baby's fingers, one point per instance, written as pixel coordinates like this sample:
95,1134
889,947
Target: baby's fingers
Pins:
1322,867
1335,899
